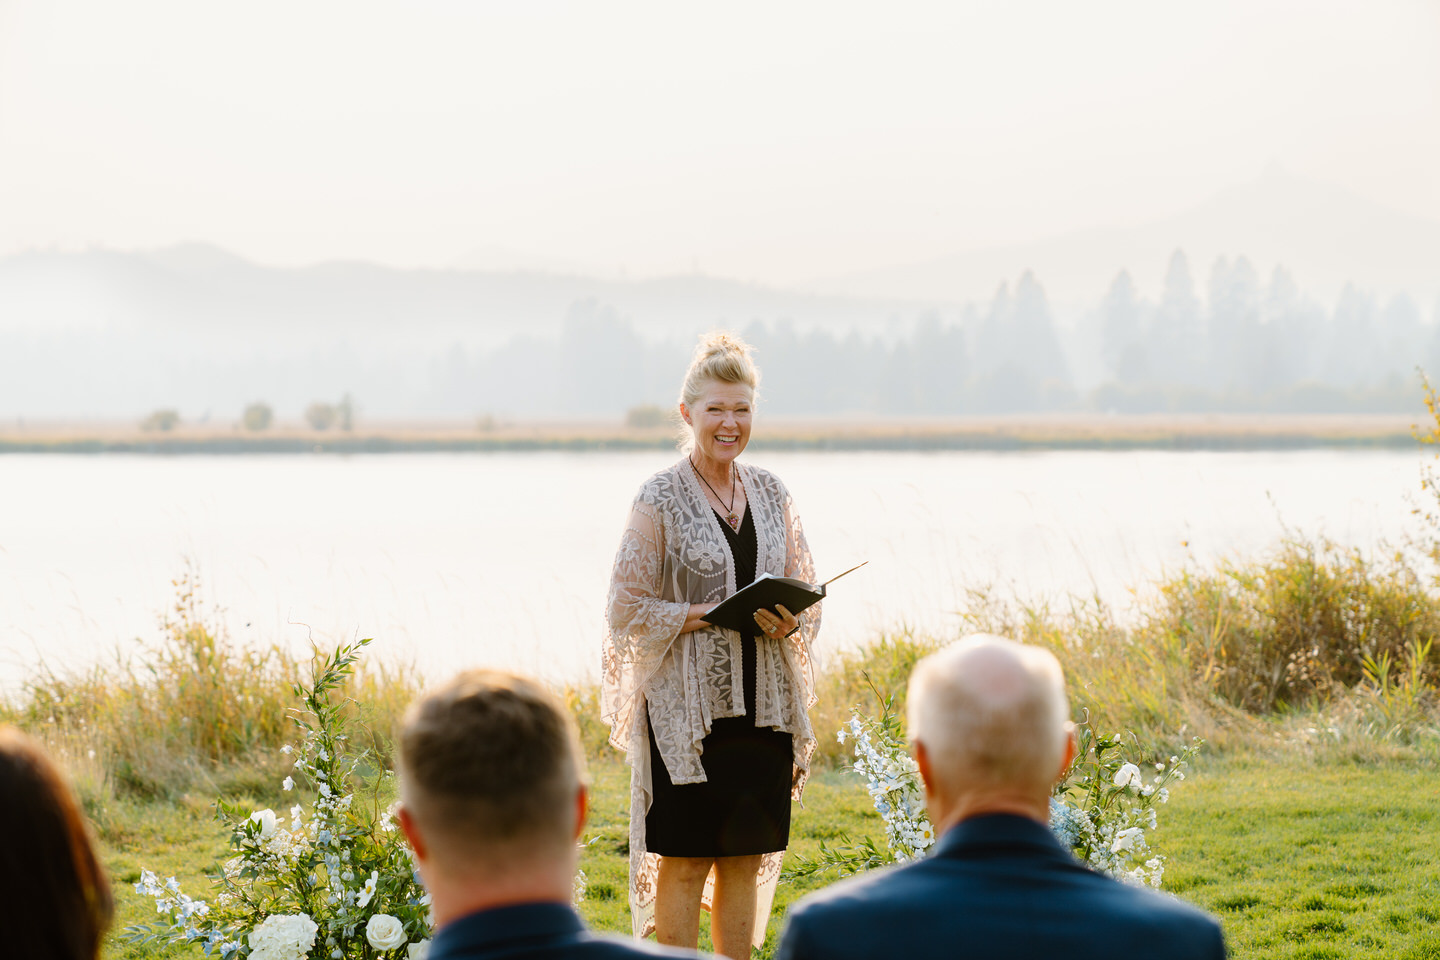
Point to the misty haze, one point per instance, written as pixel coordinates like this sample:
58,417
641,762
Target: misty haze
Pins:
113,335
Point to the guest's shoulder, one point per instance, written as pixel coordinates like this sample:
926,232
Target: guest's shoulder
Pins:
604,946
867,888
1164,909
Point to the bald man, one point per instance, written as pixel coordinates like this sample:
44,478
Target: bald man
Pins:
990,725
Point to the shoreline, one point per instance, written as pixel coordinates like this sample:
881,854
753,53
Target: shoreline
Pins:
1239,432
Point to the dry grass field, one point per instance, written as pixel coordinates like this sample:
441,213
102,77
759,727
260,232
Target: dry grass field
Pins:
1011,432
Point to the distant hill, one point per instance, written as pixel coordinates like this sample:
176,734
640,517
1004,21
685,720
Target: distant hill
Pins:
1324,235
197,290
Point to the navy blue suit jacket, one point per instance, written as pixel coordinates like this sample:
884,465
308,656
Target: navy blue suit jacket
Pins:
995,886
537,931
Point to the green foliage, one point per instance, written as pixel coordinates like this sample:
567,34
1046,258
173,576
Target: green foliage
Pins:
1401,704
257,417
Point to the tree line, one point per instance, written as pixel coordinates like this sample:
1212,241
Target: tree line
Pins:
1241,344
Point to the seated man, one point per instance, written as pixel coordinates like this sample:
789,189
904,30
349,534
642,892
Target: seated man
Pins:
988,718
493,801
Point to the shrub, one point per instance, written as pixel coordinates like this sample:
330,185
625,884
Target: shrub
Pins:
1285,630
160,421
257,416
646,417
321,416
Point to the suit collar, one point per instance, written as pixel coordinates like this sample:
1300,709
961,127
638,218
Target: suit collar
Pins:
993,832
485,929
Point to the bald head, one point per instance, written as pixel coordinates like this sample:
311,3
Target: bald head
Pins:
991,715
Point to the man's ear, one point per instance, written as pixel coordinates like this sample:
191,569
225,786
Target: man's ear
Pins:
412,833
1072,747
922,760
582,809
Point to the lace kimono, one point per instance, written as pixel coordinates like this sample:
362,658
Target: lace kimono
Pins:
673,554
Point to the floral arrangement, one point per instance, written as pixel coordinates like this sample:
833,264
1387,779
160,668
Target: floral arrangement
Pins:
335,882
1101,809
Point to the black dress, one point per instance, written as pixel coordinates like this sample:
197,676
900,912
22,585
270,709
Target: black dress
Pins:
743,807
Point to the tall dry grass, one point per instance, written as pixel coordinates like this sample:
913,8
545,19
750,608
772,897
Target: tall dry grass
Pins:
1229,653
193,709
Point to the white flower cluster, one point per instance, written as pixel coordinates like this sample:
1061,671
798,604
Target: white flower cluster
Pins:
274,840
336,884
1111,833
1102,816
283,937
893,781
169,900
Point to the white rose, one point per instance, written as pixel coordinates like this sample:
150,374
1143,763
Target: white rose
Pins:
418,951
1125,839
384,932
1125,774
266,819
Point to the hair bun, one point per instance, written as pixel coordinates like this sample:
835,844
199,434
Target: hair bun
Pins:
721,356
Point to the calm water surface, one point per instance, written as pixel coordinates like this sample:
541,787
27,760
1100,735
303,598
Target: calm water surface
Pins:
503,559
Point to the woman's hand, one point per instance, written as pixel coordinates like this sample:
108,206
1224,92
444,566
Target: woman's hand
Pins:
776,623
696,618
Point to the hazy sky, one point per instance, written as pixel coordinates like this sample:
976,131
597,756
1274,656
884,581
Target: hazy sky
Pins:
769,141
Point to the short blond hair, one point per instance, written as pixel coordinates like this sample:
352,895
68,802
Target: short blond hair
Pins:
721,357
990,711
490,761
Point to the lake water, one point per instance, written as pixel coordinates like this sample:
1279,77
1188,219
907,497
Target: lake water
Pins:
503,559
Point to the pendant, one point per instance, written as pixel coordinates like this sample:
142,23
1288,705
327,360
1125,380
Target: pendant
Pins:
733,520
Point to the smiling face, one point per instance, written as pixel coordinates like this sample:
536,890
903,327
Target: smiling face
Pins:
720,420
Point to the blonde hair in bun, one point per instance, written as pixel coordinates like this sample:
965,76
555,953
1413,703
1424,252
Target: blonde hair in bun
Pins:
722,357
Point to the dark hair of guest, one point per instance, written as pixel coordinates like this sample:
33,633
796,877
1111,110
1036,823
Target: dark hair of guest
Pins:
55,901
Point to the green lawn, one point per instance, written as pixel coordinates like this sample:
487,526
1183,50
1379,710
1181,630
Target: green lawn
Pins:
1314,862
1299,861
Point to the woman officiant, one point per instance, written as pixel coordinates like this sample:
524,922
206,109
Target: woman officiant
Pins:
714,722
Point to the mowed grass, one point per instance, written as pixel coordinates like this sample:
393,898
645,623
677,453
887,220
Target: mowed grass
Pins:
1298,859
1335,860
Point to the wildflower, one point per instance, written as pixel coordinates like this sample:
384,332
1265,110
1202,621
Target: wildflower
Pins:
840,735
287,749
1125,774
368,891
288,783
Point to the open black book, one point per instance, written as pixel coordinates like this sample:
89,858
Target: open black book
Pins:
768,592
